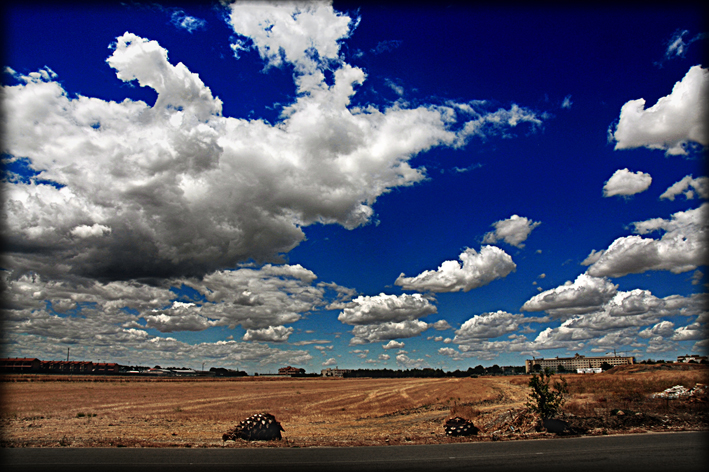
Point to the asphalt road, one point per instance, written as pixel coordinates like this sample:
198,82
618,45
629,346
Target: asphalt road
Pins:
682,451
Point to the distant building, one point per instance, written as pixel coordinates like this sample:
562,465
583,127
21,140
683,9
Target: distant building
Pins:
577,362
158,371
290,371
106,368
20,364
36,366
329,372
589,370
692,358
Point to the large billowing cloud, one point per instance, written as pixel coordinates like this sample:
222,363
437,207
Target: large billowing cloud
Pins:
624,183
688,186
682,247
386,317
513,231
478,269
488,325
583,295
619,323
277,334
178,189
672,123
389,330
365,310
115,315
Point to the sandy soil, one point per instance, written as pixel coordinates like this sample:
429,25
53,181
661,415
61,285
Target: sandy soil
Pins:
86,412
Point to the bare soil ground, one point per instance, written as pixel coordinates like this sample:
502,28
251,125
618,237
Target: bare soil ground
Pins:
82,411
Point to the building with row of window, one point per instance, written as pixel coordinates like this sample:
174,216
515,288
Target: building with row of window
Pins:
576,362
36,366
330,372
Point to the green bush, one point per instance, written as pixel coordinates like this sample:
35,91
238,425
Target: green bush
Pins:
543,399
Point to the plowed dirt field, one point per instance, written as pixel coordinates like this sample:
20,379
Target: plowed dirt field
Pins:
197,413
86,411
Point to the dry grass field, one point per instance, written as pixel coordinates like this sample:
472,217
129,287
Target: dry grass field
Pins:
40,411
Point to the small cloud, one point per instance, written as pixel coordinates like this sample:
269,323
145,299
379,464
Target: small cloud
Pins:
689,187
677,45
441,325
697,277
398,89
84,231
184,21
514,231
275,334
625,183
567,102
393,345
386,46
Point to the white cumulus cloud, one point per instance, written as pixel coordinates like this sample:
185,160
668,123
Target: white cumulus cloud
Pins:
387,331
276,334
478,269
682,247
186,190
365,310
514,231
672,123
583,295
488,325
624,183
688,186
393,345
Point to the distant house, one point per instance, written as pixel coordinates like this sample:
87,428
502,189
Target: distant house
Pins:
159,372
290,371
330,372
185,372
692,358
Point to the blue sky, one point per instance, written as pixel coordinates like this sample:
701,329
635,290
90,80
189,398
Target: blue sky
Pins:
260,185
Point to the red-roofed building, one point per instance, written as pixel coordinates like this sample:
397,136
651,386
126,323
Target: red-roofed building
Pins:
290,371
20,364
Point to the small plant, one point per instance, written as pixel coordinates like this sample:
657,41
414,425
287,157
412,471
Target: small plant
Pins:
543,400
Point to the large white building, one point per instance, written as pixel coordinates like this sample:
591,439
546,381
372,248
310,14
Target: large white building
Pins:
577,362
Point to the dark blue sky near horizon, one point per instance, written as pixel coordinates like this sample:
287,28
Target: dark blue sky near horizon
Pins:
569,69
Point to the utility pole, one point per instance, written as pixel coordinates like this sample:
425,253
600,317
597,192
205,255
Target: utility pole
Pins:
67,354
